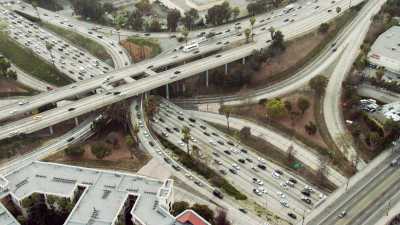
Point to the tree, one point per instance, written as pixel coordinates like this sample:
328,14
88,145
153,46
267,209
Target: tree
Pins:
4,66
100,151
374,139
190,18
135,131
288,105
204,212
173,18
278,41
185,34
338,10
323,28
311,128
35,6
186,137
226,110
303,104
271,32
221,218
155,26
275,108
108,7
49,47
11,74
245,132
291,152
143,6
219,14
119,22
178,207
252,22
135,20
379,73
74,151
318,84
236,12
247,32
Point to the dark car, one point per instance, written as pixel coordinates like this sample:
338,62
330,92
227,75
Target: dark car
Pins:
307,200
218,194
243,210
176,167
233,171
249,160
167,160
169,130
203,127
176,129
291,215
205,133
227,152
192,120
242,161
230,143
294,181
243,150
117,93
71,109
306,193
279,172
220,142
70,139
261,166
181,118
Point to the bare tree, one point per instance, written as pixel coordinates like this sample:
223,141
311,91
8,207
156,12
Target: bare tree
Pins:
291,152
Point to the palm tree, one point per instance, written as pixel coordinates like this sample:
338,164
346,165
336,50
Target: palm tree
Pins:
226,110
272,32
49,47
185,33
35,6
186,136
119,22
247,33
252,22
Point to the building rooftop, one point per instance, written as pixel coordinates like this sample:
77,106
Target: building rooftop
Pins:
386,49
104,196
6,218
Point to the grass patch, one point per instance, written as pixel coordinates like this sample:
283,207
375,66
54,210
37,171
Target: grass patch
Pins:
31,63
273,154
83,42
151,43
202,169
126,165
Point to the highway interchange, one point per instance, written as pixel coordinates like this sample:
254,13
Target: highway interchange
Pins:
142,77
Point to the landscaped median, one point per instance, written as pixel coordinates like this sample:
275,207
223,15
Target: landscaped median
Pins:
141,48
27,61
201,168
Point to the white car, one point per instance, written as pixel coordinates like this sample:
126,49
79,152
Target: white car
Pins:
276,175
261,160
236,166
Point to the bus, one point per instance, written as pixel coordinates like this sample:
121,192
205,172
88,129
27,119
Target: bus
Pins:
191,46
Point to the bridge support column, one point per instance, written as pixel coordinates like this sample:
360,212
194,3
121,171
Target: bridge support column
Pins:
226,69
51,130
167,91
244,60
206,78
76,121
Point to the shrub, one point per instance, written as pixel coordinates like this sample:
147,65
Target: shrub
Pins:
100,151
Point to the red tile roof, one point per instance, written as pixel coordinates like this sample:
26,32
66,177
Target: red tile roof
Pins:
190,217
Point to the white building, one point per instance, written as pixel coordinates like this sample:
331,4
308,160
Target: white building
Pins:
385,51
105,195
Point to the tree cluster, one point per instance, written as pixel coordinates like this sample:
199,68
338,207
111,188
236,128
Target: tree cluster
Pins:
219,14
258,7
89,9
100,151
5,70
53,5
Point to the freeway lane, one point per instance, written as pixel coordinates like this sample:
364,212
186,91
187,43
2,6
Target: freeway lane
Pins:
94,102
290,31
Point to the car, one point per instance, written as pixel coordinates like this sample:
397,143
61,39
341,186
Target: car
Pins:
284,203
177,72
275,175
236,166
175,129
306,193
218,194
220,142
306,200
227,152
249,160
229,142
279,172
342,214
167,160
212,142
261,166
22,102
176,167
242,161
215,154
292,215
151,143
233,171
243,150
192,120
161,120
70,139
117,93
205,133
199,183
217,162
257,192
294,181
261,160
203,127
243,210
334,49
71,109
